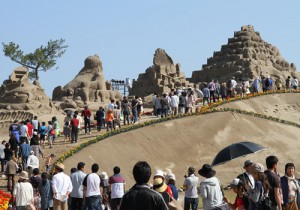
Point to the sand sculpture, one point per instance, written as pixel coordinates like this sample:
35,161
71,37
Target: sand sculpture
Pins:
245,56
88,87
18,93
160,77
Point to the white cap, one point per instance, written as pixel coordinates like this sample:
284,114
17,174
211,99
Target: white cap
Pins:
159,173
235,182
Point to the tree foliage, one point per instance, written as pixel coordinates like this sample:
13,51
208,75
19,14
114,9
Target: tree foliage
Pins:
42,59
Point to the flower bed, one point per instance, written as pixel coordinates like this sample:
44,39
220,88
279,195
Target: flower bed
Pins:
4,200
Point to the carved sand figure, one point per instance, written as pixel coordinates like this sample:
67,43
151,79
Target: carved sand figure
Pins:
245,55
160,77
88,87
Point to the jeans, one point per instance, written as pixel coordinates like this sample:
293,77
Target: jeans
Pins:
87,123
74,134
115,203
134,115
93,202
76,203
191,202
164,112
24,163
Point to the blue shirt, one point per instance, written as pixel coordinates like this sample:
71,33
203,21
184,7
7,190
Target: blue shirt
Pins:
25,150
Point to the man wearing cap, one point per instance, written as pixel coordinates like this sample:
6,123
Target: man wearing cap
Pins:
140,195
117,188
61,187
77,193
210,189
190,185
274,181
246,177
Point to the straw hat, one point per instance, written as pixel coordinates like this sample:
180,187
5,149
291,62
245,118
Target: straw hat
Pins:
159,185
60,165
23,175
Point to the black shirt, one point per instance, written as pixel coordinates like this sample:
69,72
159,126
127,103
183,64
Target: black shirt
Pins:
141,197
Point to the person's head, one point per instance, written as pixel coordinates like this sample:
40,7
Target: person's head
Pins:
36,171
207,171
76,112
52,155
109,111
44,177
73,170
271,162
7,145
256,170
43,123
95,168
16,121
59,167
116,170
159,173
31,152
237,185
23,176
49,123
85,107
3,142
191,170
100,108
67,123
141,172
289,169
54,119
247,165
75,116
80,166
136,97
35,117
112,100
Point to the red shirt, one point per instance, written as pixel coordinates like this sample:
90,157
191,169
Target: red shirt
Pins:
86,113
30,128
74,122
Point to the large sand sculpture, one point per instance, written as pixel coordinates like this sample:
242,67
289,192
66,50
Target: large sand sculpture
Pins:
88,87
177,144
245,56
163,75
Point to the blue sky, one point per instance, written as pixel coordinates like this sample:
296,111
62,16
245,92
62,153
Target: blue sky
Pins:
126,33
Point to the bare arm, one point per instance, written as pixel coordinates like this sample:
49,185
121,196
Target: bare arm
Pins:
277,197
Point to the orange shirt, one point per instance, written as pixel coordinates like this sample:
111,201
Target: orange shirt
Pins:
109,117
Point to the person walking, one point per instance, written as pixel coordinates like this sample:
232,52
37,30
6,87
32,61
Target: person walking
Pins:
117,188
125,110
91,189
86,114
74,129
190,185
77,193
46,193
62,187
11,171
32,163
140,196
174,103
99,115
24,153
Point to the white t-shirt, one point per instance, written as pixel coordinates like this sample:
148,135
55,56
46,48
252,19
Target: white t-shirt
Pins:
33,161
24,193
2,154
35,124
174,101
23,130
92,184
80,121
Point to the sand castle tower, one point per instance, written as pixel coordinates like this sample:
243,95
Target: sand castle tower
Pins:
245,56
160,77
88,87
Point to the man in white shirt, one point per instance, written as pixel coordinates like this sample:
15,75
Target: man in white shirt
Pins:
32,162
61,187
190,185
79,118
2,156
35,123
91,189
24,132
112,104
117,188
174,103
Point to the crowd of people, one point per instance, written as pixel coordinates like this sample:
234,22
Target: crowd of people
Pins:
255,189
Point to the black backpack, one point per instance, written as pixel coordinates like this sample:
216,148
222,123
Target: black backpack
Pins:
267,82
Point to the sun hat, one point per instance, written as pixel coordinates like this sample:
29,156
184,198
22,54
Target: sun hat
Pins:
23,175
60,165
159,185
104,175
207,171
170,176
258,167
159,173
236,182
247,163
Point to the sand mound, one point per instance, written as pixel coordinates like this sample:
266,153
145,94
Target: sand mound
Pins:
193,141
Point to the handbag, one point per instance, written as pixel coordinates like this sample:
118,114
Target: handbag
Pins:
52,132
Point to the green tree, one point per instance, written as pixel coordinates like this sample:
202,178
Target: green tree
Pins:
42,59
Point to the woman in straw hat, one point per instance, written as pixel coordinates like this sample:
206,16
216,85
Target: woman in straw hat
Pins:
23,192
